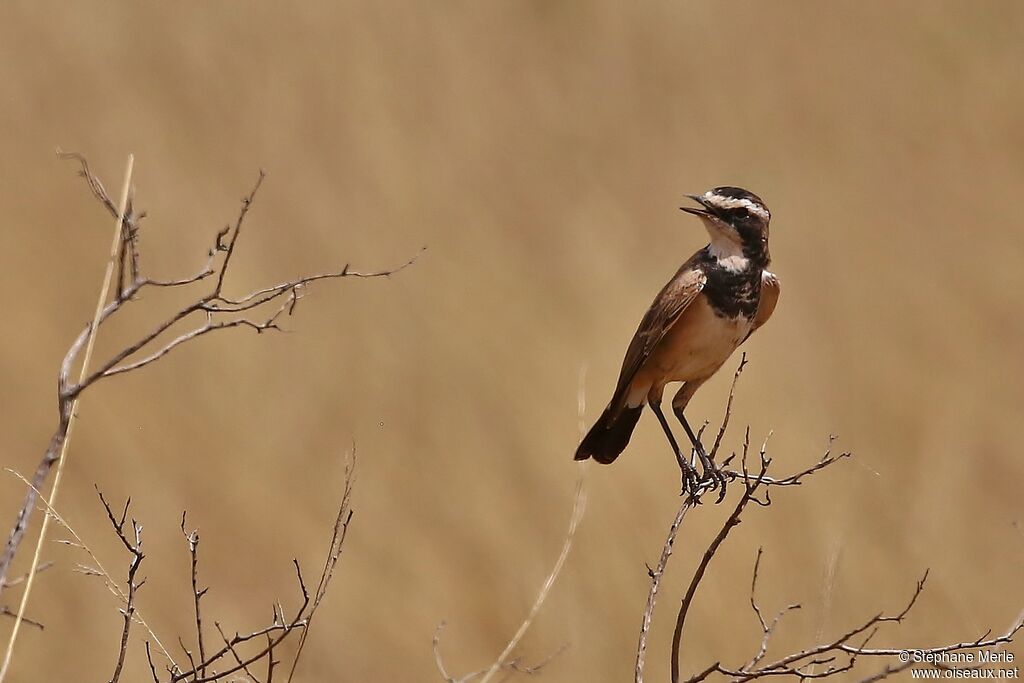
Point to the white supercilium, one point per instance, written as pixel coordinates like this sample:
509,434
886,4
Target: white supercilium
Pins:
732,202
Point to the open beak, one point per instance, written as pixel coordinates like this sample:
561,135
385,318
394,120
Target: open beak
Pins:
702,212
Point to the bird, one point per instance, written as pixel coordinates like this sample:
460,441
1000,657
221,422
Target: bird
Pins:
714,302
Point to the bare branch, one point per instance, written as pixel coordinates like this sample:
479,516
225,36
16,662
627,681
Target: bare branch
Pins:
8,612
728,406
203,273
341,523
192,540
238,652
95,185
666,551
229,248
750,487
828,659
98,568
767,628
652,595
216,309
827,459
152,667
234,653
271,662
134,546
438,659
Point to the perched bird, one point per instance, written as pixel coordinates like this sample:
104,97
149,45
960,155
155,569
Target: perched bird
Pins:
712,305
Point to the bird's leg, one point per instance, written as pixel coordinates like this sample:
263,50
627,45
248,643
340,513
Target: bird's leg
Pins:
712,473
690,482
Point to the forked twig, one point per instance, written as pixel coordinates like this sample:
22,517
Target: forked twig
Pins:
210,310
134,546
240,652
767,628
666,550
825,660
95,568
751,486
215,310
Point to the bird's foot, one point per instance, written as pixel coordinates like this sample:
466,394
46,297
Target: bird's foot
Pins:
712,477
691,480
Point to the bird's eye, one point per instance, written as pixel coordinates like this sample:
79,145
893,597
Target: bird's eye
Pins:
740,213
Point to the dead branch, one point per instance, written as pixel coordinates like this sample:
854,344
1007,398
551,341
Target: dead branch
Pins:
840,654
95,568
767,628
837,656
240,652
341,523
134,546
750,488
192,540
652,596
152,666
8,612
215,310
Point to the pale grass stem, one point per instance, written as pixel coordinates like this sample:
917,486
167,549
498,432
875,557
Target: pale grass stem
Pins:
96,567
104,293
579,506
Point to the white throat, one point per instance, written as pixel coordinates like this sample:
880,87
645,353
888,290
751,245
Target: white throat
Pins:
728,253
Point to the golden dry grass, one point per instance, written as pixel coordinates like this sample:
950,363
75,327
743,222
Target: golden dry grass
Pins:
539,150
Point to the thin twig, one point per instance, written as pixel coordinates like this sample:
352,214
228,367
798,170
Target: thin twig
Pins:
666,549
234,653
97,569
652,595
803,664
8,612
825,660
750,487
728,406
152,667
229,248
341,524
192,540
133,546
767,629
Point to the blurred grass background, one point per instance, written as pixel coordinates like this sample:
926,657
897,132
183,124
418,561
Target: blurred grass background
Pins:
539,150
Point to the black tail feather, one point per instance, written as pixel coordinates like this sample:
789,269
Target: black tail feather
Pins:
609,435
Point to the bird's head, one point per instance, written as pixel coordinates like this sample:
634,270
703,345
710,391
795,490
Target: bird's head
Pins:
737,221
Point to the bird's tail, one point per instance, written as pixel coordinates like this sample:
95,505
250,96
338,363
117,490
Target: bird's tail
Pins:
609,435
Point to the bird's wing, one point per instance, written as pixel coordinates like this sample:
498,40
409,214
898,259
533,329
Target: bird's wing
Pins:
770,289
670,303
